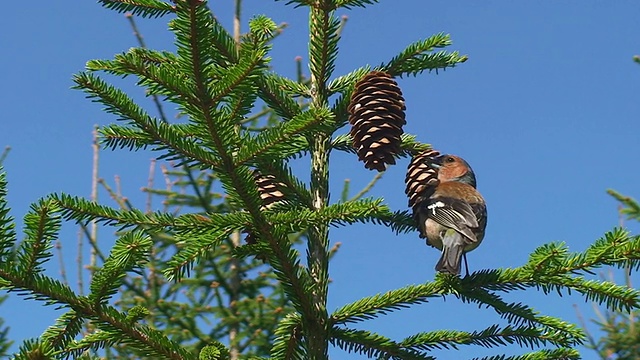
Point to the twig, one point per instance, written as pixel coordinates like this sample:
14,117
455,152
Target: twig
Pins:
367,188
343,23
590,338
63,271
4,154
93,234
152,172
79,262
140,38
112,194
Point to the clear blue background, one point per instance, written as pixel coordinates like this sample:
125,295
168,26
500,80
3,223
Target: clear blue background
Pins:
546,110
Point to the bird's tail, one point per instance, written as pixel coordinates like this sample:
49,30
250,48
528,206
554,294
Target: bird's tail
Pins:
453,245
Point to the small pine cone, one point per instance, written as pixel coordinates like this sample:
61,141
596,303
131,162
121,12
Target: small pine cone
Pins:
376,113
421,178
269,188
250,239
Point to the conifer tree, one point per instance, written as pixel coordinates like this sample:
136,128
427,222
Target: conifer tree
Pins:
216,83
621,336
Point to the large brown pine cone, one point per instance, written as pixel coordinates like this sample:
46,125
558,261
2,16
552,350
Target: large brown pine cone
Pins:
376,113
421,178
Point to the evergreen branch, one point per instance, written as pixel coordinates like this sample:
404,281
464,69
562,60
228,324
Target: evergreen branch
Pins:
323,50
66,328
417,57
493,336
193,29
545,354
213,83
294,188
350,212
613,295
550,266
188,225
400,222
373,306
142,338
343,143
323,46
7,225
339,108
518,314
157,71
280,140
95,341
248,69
615,248
42,224
33,348
347,82
300,3
116,136
144,8
82,210
271,90
339,214
292,87
287,268
281,256
631,206
150,56
373,345
164,135
224,47
5,343
130,251
36,286
409,145
348,4
196,248
286,344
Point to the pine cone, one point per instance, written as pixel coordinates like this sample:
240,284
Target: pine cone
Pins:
421,178
376,113
269,188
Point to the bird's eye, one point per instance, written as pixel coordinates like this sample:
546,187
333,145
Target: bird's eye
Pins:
450,159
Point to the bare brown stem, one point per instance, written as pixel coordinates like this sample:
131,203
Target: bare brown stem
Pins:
94,197
63,271
4,154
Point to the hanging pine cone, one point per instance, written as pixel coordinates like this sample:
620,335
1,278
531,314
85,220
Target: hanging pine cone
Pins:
376,113
421,178
269,188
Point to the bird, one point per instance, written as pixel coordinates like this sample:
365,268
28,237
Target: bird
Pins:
453,217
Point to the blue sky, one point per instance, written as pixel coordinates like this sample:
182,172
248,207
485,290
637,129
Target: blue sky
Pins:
545,110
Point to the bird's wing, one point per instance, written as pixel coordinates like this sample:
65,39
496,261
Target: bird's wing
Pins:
452,213
480,211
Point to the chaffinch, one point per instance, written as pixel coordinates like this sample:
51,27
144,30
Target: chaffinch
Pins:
454,217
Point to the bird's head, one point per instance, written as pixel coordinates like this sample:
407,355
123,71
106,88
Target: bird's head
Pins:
454,168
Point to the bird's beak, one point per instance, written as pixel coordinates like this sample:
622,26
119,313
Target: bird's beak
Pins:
437,161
